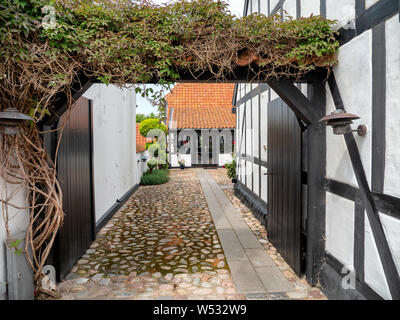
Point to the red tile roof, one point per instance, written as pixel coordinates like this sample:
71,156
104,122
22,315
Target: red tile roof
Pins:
201,105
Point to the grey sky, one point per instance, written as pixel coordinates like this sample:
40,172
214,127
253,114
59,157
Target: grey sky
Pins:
236,7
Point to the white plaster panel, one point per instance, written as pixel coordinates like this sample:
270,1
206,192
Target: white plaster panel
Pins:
254,6
264,184
18,222
303,89
309,7
264,124
369,3
354,77
290,7
249,131
340,228
391,226
264,7
341,10
374,274
274,95
249,170
256,182
255,130
114,148
392,169
242,170
273,3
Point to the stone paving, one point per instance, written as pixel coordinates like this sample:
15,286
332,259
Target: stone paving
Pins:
163,244
302,290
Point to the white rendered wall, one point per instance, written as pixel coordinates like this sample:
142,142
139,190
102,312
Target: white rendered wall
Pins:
114,144
392,165
373,270
290,7
19,220
186,157
369,3
309,7
354,77
224,158
341,10
340,228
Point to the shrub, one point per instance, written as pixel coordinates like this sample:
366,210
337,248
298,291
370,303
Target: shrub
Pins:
154,178
231,169
162,165
154,150
151,164
149,124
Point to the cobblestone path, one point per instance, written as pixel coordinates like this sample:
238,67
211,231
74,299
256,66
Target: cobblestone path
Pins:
163,244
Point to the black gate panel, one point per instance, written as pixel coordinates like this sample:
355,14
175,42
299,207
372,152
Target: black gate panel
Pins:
75,175
284,182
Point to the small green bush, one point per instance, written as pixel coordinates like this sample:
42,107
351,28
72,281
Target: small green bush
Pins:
151,164
154,178
154,149
231,169
149,124
162,165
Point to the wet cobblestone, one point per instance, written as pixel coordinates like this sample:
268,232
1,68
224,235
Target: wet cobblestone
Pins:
162,243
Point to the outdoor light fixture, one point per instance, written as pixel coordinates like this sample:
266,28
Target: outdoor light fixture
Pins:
339,120
10,119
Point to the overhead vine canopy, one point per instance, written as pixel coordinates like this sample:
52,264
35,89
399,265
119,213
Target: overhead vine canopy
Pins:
46,44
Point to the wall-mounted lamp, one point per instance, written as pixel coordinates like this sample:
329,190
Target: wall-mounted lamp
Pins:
339,120
10,119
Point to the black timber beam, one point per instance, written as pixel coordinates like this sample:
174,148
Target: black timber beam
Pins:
239,75
367,19
316,172
295,99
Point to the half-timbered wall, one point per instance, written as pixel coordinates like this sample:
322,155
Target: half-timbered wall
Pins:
368,81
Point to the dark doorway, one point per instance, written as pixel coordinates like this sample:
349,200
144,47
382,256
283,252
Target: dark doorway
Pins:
284,182
76,180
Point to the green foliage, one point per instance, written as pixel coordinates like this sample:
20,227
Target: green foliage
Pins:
162,165
123,41
231,169
149,124
154,149
140,117
154,178
152,163
15,245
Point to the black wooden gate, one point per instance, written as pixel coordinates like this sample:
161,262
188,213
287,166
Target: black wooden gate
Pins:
76,179
284,182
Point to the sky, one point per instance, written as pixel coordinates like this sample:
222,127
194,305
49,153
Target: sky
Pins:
143,106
